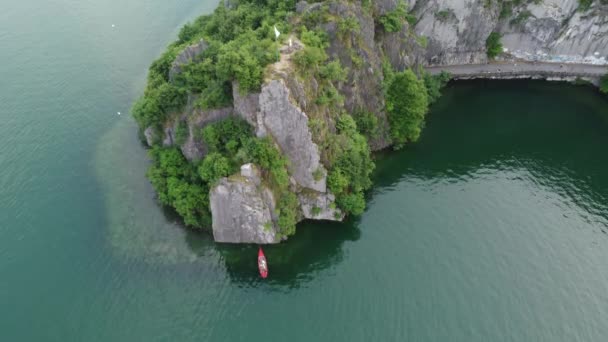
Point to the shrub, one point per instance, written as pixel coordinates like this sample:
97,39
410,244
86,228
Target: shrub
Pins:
348,26
393,20
604,84
181,133
309,58
288,217
407,104
434,83
231,132
350,174
178,186
240,45
444,15
333,71
367,123
493,45
584,5
214,167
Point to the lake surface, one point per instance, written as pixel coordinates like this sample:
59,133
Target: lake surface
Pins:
492,228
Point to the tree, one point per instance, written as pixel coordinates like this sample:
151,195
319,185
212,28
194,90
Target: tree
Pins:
493,45
407,104
214,167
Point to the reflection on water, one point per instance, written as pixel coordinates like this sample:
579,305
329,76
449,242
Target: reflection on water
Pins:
316,246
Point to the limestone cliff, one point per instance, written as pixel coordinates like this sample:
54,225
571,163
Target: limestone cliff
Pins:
286,107
243,209
455,31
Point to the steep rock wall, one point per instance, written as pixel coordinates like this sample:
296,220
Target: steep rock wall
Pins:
456,31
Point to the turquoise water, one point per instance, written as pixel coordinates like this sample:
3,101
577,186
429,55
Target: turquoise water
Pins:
492,228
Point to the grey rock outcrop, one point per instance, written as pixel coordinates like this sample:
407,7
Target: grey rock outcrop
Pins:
243,210
552,30
150,135
246,106
288,126
188,55
193,148
318,206
362,89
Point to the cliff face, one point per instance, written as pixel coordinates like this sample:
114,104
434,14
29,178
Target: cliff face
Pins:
548,30
286,107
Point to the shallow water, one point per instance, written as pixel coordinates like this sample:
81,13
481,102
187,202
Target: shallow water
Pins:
493,227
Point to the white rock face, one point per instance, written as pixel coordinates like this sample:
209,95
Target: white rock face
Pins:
558,32
243,211
288,126
554,31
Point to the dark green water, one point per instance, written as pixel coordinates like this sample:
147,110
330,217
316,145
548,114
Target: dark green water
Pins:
492,228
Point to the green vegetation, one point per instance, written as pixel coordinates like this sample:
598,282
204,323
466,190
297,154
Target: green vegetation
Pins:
345,152
584,5
240,44
181,133
178,185
351,170
394,20
407,104
493,45
434,83
604,84
367,123
231,143
444,15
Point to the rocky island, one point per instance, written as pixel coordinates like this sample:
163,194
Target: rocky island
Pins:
266,112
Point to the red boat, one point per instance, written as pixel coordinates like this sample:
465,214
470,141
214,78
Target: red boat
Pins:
262,264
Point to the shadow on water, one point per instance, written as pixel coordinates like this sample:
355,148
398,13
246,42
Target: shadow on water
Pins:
317,246
482,126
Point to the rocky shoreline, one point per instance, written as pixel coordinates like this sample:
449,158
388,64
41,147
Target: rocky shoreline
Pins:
437,35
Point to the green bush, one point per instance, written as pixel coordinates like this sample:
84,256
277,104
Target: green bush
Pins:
604,84
584,5
214,167
181,133
333,71
177,185
309,59
394,20
434,84
227,136
367,123
350,173
407,104
240,43
493,45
